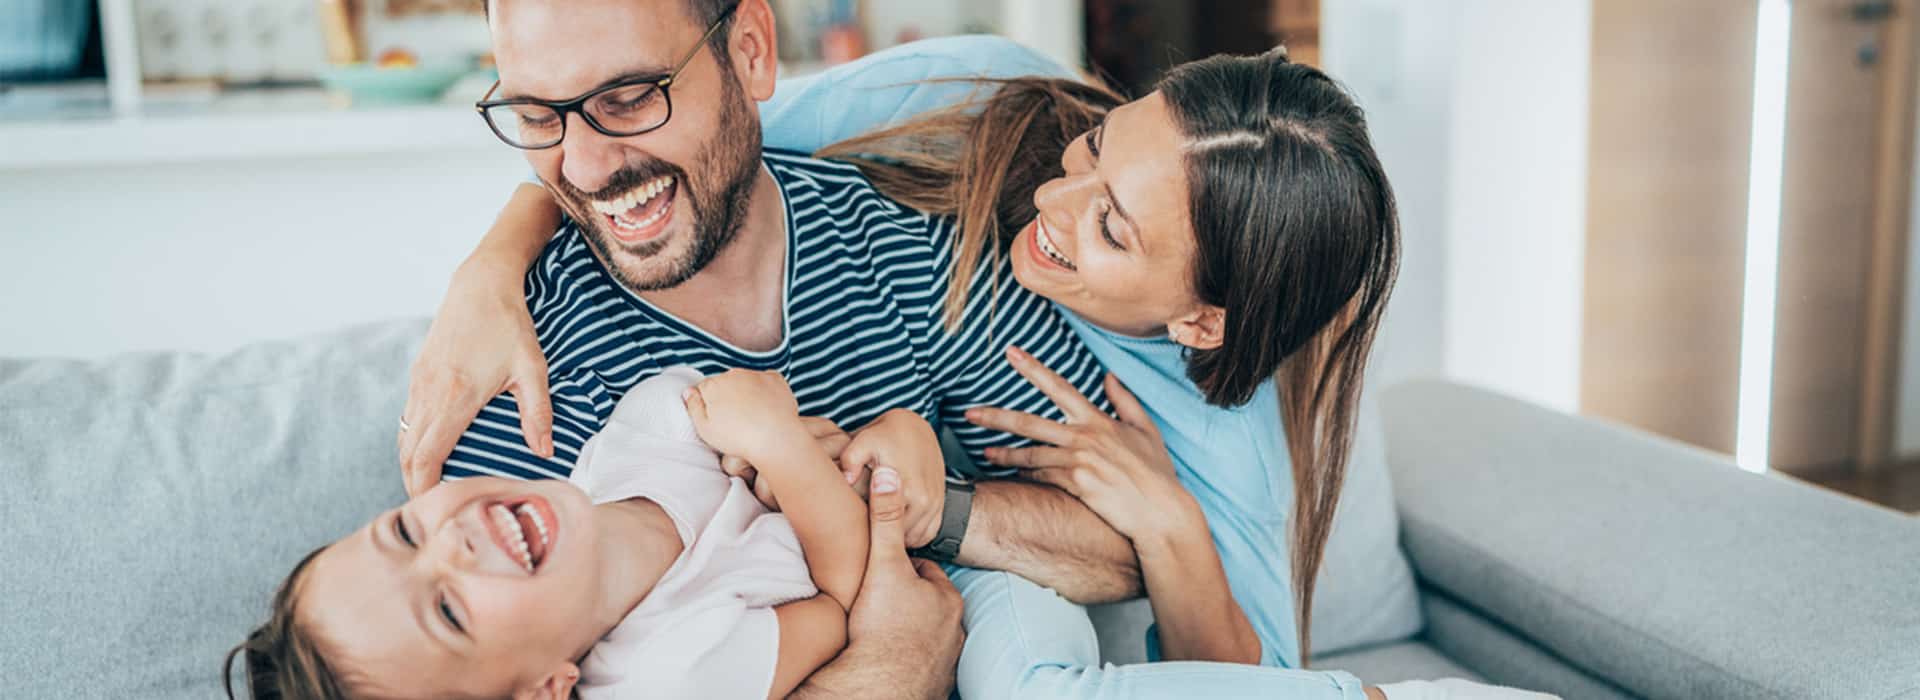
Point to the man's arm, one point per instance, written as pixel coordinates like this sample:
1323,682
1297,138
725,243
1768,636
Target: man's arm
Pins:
1050,538
904,632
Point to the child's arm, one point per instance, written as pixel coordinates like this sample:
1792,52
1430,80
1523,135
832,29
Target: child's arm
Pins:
753,415
812,632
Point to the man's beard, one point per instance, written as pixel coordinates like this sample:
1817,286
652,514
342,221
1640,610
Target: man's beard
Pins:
728,162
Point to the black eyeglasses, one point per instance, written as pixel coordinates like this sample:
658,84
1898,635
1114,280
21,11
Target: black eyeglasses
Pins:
628,108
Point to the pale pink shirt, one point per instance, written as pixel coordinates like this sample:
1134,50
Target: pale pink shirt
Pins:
707,630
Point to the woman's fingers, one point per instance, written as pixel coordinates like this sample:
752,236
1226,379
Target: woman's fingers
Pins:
445,421
1060,478
529,389
1127,407
1064,394
1031,457
1025,425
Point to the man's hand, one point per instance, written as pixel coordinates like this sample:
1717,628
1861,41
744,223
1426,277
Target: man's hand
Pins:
904,632
481,343
901,439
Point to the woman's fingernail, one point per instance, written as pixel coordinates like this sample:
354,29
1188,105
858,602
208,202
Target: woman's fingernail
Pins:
886,480
973,414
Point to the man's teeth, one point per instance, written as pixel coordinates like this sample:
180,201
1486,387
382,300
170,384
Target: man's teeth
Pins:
1046,246
633,198
511,525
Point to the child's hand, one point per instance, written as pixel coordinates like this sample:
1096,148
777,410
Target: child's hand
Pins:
901,439
749,414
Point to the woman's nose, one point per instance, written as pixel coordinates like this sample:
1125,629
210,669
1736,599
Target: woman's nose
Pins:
1066,193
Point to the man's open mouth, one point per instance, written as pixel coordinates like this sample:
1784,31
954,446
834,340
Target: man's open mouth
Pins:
642,212
524,530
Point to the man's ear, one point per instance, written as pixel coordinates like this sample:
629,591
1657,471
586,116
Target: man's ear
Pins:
558,685
754,46
1203,329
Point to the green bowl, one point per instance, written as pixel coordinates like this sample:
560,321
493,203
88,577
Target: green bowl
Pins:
367,83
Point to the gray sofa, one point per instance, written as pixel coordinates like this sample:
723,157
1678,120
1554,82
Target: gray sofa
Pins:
156,499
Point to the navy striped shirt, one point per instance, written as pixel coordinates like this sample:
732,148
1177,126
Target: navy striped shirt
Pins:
866,285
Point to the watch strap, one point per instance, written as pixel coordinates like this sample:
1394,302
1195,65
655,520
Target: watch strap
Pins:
954,515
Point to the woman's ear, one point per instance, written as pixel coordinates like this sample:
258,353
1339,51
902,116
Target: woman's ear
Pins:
755,48
556,686
1204,329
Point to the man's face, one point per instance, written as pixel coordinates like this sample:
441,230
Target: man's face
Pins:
658,206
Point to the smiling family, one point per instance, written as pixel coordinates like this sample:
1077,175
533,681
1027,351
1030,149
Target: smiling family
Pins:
659,405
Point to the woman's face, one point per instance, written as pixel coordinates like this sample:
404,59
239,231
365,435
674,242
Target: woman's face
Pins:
437,596
1114,240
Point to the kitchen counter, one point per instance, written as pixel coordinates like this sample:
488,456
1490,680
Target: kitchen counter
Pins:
73,126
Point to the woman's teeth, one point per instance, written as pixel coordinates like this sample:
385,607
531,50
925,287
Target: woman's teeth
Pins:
516,535
1046,246
623,208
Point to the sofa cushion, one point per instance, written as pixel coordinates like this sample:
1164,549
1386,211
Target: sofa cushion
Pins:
1660,567
158,500
1395,662
1504,658
1366,594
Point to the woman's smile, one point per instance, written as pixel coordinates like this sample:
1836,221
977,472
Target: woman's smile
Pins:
1047,249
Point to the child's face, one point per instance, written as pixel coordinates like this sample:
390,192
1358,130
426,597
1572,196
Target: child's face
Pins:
435,596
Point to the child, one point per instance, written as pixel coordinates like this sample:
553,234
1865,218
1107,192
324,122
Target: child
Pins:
652,572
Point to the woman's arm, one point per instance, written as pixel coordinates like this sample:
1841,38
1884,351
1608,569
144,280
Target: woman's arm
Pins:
481,344
522,229
1194,610
1120,468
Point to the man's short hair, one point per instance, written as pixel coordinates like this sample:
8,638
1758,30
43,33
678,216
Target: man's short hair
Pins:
704,12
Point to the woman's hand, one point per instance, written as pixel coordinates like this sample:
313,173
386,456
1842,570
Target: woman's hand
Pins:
481,343
1119,468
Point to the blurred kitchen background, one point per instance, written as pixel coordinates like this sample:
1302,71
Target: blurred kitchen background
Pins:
1692,217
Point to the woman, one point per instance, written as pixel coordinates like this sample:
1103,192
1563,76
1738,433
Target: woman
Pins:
1225,246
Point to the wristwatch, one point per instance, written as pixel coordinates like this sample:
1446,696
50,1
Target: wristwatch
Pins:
954,514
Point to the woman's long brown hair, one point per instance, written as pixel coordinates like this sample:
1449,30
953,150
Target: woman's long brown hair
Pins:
1294,222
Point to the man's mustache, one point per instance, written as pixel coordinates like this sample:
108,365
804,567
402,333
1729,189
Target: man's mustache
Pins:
625,179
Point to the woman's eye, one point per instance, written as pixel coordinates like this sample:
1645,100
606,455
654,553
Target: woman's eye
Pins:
1106,231
446,611
400,528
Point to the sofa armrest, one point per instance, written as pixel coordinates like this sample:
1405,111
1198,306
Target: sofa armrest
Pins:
1659,566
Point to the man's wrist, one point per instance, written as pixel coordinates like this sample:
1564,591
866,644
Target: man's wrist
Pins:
956,513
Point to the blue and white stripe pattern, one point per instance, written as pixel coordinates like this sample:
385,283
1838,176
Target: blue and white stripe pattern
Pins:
867,279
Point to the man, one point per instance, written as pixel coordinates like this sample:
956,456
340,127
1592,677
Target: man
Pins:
691,246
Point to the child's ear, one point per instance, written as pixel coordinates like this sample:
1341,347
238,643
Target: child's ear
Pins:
556,686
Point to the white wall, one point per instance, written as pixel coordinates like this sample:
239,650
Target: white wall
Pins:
1906,428
1518,193
1479,111
209,256
1397,56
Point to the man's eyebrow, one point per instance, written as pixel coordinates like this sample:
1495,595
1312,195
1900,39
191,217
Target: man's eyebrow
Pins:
638,74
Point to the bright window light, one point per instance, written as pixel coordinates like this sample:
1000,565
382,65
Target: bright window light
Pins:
1763,234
